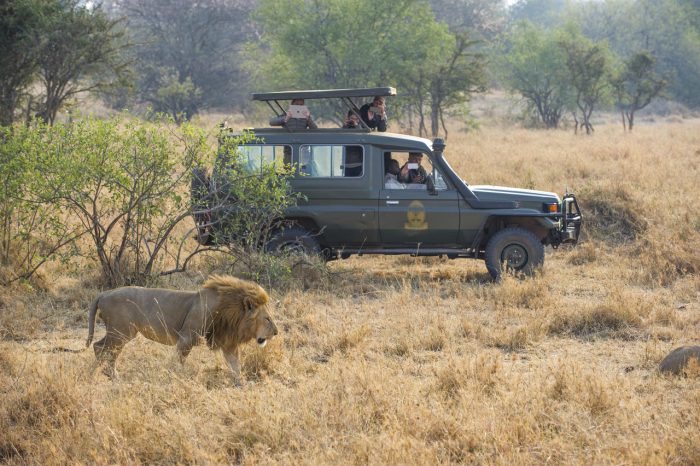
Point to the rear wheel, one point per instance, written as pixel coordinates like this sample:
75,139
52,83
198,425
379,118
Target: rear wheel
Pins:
513,250
295,240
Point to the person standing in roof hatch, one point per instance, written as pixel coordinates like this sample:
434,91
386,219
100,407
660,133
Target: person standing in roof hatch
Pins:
374,114
294,122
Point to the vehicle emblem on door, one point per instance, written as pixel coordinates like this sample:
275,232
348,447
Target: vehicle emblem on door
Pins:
415,217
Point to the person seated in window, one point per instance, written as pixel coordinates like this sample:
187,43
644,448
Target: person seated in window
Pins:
390,179
352,120
287,156
353,161
412,172
374,114
293,123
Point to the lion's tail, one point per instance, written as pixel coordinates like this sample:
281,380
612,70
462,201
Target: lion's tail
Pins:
92,315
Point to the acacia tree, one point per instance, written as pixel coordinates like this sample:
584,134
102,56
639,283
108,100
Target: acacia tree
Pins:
316,45
188,54
480,18
454,79
589,66
78,50
668,28
534,66
636,85
19,20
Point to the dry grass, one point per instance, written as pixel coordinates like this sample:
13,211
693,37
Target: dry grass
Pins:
411,361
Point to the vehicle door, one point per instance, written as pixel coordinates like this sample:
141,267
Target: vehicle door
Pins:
339,193
411,215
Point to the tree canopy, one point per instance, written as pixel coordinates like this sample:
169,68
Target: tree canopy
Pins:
533,65
636,84
182,57
309,45
68,46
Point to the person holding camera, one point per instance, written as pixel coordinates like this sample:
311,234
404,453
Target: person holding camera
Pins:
412,171
298,117
374,114
352,121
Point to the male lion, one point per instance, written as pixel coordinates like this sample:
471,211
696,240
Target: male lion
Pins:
227,311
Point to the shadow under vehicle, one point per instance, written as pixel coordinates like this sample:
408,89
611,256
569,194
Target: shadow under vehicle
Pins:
347,208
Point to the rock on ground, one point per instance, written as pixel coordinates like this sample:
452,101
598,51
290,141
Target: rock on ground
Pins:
676,360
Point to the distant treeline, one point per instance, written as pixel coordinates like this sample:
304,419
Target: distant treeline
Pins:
180,57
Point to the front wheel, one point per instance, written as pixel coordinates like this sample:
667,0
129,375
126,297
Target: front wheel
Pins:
514,250
295,240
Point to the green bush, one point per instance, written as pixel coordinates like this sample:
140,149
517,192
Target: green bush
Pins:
33,229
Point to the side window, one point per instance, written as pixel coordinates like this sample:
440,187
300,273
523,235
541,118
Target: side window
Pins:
326,161
254,157
411,170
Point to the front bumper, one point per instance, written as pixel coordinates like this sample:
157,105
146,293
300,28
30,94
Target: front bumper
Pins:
570,223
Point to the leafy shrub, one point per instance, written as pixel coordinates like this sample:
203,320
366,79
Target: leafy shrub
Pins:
33,229
247,196
122,183
122,180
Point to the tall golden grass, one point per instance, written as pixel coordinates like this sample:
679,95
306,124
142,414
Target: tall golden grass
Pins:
411,360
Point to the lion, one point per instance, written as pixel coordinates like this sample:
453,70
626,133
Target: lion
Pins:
226,312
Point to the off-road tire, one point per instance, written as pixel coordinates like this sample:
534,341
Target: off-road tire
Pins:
293,239
513,250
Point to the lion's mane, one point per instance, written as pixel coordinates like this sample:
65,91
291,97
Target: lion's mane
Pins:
229,326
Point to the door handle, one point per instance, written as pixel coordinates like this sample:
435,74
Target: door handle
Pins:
392,202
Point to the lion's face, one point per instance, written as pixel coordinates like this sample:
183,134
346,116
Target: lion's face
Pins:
261,325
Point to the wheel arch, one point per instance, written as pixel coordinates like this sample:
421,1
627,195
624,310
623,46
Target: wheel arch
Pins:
538,225
307,223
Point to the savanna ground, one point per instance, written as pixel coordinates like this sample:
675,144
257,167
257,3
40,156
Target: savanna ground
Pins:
409,360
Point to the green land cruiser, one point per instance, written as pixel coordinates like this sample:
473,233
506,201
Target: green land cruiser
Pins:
351,207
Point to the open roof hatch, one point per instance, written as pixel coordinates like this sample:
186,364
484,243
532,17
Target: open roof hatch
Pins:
345,95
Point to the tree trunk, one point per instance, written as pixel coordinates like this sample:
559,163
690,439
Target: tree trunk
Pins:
435,118
8,103
624,124
422,131
442,122
587,120
50,107
630,120
28,112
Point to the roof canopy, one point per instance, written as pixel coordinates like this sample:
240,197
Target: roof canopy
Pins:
325,94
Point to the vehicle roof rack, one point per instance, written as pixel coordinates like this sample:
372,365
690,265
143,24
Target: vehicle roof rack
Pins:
325,94
345,95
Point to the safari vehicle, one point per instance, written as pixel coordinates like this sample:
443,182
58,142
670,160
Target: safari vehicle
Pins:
347,208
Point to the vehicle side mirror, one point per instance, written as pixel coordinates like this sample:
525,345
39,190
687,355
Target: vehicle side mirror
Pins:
430,185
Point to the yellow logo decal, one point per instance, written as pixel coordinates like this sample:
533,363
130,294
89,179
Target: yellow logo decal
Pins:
415,217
